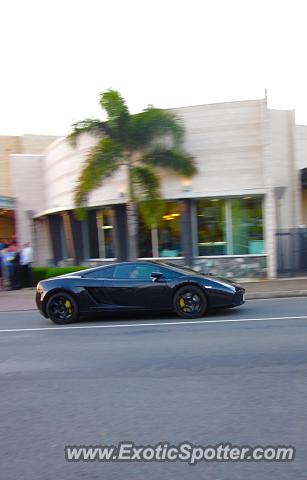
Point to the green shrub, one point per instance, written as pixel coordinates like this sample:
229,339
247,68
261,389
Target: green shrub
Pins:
56,271
38,274
41,273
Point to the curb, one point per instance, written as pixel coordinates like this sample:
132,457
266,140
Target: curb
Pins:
282,294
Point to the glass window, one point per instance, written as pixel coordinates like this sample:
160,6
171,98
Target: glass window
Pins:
135,271
124,271
145,240
247,226
169,231
104,219
105,272
144,271
211,222
169,274
163,241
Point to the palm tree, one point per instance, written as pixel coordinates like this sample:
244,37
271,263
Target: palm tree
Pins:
143,142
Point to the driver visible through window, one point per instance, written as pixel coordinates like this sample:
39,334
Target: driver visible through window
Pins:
135,271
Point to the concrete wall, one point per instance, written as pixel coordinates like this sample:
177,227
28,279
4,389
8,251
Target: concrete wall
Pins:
35,144
8,146
224,138
281,168
301,162
301,146
62,167
27,174
42,251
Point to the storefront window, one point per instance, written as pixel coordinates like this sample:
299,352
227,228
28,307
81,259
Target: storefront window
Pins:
104,218
169,231
164,240
211,221
247,226
230,226
145,240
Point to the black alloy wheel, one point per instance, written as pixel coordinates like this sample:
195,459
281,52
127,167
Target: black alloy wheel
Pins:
62,308
190,302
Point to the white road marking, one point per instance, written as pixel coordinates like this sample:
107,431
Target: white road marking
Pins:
155,324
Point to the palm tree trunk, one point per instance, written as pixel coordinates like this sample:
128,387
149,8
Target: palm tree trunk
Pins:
132,225
132,221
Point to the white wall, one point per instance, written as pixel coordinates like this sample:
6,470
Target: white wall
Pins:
224,138
281,170
301,146
62,166
28,188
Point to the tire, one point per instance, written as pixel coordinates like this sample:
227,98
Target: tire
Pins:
62,308
190,302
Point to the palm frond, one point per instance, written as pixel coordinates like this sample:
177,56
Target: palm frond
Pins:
147,188
153,124
146,180
102,161
174,160
88,125
118,114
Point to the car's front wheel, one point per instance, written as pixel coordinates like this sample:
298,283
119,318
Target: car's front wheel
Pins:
62,308
190,302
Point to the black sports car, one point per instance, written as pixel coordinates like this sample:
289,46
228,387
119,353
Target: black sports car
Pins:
134,286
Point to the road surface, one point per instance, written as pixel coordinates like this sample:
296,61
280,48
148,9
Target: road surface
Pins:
236,376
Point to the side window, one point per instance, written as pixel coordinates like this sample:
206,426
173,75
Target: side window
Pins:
105,272
143,272
135,271
124,271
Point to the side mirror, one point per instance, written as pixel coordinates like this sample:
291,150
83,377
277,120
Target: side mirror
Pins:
155,276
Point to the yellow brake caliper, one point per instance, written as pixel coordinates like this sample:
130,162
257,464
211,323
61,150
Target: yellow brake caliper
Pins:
182,304
68,305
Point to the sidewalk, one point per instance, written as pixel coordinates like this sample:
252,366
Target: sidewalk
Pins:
289,287
17,300
283,287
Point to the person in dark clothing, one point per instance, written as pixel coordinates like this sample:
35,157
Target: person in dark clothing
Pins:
25,265
15,271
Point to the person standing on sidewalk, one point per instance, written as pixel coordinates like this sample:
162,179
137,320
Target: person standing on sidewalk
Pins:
26,257
2,247
7,266
16,269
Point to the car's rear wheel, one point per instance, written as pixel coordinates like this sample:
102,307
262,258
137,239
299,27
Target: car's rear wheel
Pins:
62,308
190,302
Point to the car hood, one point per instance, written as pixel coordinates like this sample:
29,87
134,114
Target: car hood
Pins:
221,280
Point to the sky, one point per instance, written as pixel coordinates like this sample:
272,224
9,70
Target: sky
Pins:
58,56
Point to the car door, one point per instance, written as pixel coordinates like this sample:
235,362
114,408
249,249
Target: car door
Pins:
99,283
133,288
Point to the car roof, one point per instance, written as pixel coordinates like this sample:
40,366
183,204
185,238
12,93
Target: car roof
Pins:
101,267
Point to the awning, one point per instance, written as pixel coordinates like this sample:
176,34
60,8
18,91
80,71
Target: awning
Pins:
7,203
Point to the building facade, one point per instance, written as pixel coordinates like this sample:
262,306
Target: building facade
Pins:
250,161
22,145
